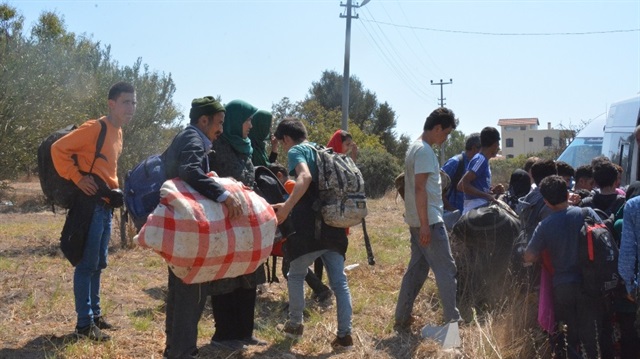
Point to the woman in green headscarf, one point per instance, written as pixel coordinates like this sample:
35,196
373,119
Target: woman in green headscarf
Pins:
233,299
259,134
231,156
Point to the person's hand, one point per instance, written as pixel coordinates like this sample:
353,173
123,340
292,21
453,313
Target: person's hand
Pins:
234,207
274,144
354,147
88,185
498,189
425,236
574,199
281,212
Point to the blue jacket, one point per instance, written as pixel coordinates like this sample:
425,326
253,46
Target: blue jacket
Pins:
629,250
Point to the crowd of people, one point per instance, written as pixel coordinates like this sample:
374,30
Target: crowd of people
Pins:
547,196
232,140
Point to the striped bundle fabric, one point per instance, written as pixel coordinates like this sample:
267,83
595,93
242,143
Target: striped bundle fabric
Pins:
197,240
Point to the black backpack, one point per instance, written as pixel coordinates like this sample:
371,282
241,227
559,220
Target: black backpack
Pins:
460,170
57,190
597,257
608,216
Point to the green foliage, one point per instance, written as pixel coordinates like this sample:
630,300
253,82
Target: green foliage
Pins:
453,146
502,168
328,92
321,123
54,78
379,169
364,110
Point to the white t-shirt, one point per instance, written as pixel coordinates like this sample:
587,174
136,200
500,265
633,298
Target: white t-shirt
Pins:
421,159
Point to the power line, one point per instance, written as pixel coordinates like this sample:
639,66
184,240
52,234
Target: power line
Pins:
400,66
506,33
415,34
395,69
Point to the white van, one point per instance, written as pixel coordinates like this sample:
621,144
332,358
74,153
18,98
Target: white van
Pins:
619,143
586,145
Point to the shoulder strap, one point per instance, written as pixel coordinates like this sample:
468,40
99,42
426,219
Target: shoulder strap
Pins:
459,173
99,144
615,205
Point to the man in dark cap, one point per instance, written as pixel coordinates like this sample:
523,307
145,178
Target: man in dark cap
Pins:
187,158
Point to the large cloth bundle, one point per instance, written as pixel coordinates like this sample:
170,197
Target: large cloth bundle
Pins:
484,237
197,240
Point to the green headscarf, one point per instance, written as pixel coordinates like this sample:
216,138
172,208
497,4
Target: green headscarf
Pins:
237,112
259,133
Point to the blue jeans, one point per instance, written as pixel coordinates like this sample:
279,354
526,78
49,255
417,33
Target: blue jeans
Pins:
86,279
334,262
437,257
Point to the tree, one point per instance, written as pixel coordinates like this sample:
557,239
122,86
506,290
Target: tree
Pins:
454,144
379,170
55,78
328,93
364,110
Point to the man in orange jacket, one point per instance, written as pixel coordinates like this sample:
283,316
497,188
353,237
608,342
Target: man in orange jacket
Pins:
73,157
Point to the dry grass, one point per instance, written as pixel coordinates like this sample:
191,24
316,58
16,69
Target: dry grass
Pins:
37,316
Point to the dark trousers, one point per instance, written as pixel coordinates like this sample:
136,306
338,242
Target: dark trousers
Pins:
234,314
582,315
185,303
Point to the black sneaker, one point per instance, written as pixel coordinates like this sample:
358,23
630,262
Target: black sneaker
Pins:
324,297
404,327
232,345
101,323
342,343
293,331
165,353
92,332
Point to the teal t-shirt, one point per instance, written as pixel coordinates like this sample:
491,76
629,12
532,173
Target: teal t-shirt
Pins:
303,153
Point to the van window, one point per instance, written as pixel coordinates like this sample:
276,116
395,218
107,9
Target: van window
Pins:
581,151
620,150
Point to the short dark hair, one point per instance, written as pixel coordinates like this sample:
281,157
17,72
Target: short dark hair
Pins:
276,168
596,160
473,140
542,169
441,116
605,173
529,162
489,136
554,189
583,171
120,88
293,128
564,169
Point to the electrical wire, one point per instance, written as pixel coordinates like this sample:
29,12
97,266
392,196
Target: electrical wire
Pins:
505,33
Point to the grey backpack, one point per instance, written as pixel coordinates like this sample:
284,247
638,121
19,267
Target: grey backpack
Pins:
342,201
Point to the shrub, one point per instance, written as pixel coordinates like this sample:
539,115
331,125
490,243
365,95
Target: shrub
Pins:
379,169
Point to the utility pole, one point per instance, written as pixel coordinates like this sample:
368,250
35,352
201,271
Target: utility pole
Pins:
441,84
347,48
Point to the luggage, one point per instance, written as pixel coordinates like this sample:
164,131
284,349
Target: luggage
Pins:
198,241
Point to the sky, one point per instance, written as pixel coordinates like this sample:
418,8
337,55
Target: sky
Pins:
563,62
